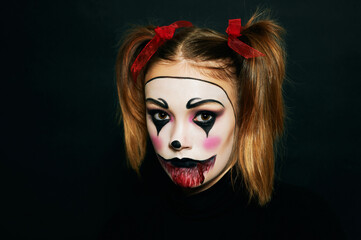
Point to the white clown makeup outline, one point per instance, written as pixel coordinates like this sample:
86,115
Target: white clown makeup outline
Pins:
190,163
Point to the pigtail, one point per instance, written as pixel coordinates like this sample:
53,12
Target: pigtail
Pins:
261,107
131,95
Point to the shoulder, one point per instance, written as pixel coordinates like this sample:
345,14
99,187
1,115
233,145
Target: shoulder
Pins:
136,216
300,213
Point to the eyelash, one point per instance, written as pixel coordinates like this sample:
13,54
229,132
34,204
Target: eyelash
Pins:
201,114
157,120
204,119
207,124
159,115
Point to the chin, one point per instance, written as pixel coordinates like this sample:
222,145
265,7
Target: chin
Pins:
187,175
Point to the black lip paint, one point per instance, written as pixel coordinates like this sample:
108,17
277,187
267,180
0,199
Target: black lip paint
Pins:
186,162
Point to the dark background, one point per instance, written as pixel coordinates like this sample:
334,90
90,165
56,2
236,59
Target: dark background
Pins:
63,158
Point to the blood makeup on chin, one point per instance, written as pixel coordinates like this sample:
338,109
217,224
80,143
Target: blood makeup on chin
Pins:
187,173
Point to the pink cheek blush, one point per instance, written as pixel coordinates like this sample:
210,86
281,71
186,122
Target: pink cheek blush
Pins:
211,143
157,143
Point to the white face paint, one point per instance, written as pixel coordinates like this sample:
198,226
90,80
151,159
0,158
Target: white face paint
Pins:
191,123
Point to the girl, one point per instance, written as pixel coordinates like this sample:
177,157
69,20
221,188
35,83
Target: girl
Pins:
211,105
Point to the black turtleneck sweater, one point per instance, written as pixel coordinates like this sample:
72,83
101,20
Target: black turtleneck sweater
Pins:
157,209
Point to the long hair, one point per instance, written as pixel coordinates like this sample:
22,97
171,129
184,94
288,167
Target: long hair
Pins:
259,113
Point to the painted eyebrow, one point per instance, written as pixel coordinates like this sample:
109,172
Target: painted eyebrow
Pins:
193,105
162,103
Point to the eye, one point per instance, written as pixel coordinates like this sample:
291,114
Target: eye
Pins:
205,119
160,115
160,118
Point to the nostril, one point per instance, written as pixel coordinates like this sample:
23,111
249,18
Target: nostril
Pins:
176,144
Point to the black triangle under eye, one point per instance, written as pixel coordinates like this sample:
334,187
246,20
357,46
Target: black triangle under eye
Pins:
208,124
159,124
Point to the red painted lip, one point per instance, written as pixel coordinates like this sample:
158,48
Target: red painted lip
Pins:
188,177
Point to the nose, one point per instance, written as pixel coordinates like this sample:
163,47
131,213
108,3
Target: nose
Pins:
176,144
179,139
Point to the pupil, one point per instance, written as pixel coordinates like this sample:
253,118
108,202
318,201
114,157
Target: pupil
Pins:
205,116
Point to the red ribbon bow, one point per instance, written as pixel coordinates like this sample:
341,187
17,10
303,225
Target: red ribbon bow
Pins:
234,30
162,35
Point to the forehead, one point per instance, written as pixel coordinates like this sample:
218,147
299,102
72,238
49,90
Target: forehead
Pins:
179,88
185,69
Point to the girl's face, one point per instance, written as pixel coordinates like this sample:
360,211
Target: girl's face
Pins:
191,122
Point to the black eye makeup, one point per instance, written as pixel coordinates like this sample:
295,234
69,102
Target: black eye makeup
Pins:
205,119
159,118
